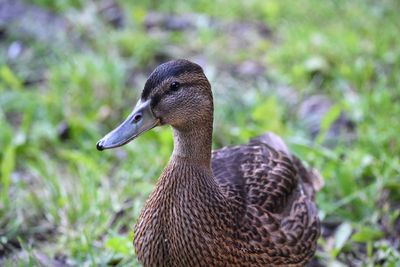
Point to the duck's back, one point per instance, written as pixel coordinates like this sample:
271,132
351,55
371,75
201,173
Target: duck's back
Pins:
273,194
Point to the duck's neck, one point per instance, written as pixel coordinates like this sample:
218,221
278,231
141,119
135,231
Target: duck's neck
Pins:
193,144
188,178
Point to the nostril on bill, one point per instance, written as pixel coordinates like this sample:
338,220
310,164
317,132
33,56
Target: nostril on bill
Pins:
137,117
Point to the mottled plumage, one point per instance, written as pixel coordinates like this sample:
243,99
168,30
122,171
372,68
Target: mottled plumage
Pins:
246,205
253,212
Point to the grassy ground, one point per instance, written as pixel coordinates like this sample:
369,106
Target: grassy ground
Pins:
68,76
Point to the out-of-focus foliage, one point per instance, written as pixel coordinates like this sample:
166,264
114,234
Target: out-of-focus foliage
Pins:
70,70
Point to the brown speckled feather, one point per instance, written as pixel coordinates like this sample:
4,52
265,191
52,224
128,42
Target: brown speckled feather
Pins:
267,218
262,174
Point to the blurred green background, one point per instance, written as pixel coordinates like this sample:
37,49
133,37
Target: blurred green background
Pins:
325,75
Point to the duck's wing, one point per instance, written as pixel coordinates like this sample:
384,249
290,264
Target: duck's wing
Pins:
270,186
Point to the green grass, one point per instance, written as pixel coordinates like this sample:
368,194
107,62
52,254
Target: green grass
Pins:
61,198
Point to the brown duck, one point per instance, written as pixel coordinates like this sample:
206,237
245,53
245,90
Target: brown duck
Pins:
247,205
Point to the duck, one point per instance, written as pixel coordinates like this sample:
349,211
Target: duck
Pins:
245,205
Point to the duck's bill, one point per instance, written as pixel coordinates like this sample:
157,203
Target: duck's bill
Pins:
139,121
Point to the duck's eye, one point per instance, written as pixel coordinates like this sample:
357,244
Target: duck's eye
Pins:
174,86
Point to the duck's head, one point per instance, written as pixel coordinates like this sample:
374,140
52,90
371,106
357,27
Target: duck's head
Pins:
176,93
